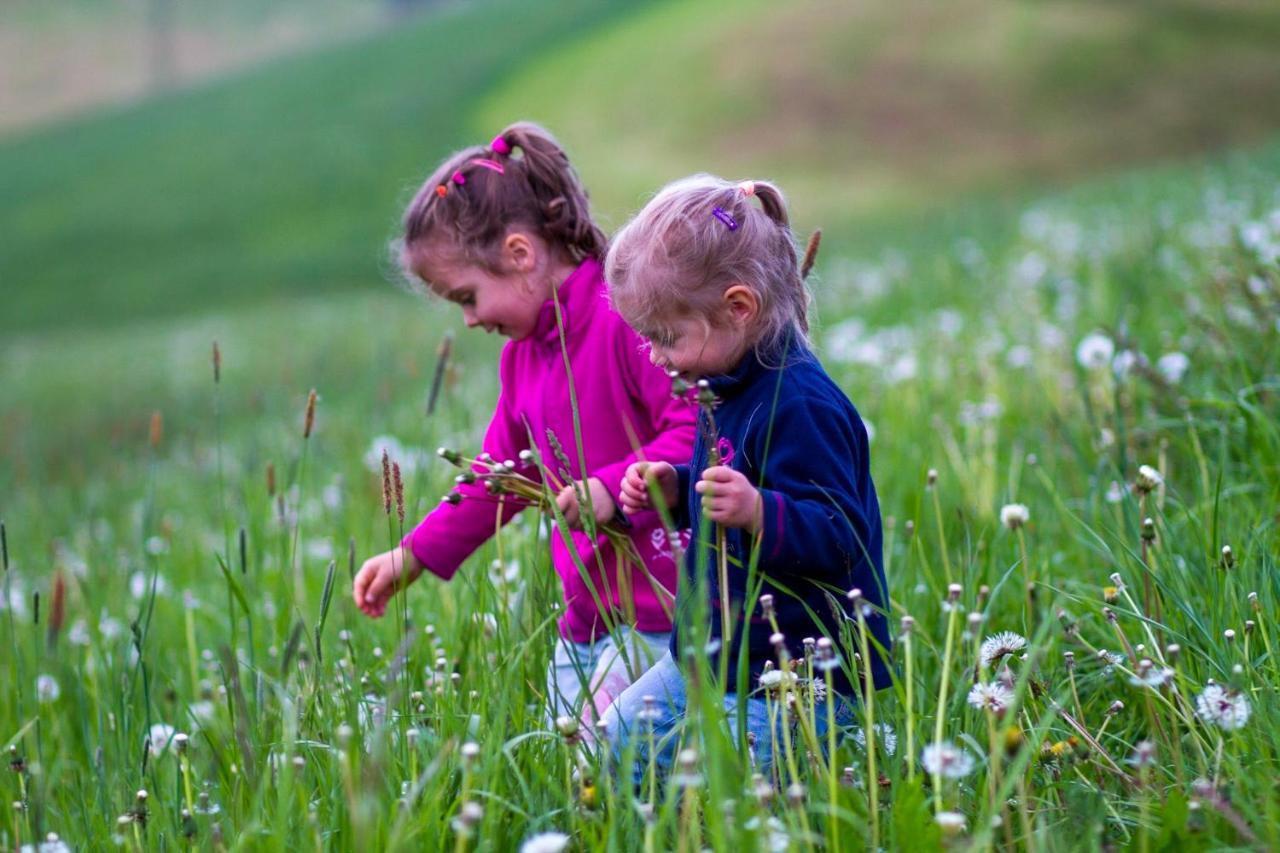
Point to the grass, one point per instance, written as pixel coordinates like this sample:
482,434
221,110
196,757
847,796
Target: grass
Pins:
959,347
144,236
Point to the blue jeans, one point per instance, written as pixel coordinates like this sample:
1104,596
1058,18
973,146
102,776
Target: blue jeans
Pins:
598,663
664,682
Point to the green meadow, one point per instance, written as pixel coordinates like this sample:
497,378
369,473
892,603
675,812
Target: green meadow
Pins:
1052,257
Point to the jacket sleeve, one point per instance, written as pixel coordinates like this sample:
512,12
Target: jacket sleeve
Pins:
452,532
672,421
813,487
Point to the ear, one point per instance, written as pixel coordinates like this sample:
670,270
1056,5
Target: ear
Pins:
742,303
519,253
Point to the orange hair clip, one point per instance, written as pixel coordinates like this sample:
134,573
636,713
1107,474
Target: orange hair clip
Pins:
441,190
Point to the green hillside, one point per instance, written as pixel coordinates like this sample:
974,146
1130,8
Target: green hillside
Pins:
283,180
288,180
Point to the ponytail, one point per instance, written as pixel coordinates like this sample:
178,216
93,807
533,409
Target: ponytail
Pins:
523,178
702,234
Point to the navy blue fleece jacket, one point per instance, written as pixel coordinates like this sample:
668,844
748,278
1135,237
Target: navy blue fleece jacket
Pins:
794,434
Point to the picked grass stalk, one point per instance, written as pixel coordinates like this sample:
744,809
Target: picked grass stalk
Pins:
953,611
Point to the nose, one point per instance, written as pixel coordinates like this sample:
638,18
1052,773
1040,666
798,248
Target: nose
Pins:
469,317
654,358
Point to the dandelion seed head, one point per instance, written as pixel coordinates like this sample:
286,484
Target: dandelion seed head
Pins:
545,842
47,689
1148,479
1227,709
947,760
997,646
1014,516
995,697
951,823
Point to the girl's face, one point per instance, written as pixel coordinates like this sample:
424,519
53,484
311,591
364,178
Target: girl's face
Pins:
693,347
696,346
507,302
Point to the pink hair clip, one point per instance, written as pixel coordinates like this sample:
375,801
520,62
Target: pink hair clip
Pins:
499,145
459,178
748,188
491,165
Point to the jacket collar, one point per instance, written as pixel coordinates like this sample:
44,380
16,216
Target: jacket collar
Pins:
753,367
576,295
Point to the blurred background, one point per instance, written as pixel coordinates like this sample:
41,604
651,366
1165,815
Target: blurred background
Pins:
175,172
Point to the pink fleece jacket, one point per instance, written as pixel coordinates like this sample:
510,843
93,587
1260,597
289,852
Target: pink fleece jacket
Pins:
617,389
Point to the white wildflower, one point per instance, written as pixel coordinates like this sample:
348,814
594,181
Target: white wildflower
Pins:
1148,479
78,634
774,838
51,844
1151,676
951,823
1144,754
995,697
545,842
47,689
1173,366
999,645
1014,516
1225,708
1095,350
776,679
160,736
947,760
885,736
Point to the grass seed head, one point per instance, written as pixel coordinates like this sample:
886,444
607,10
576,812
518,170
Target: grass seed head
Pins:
309,419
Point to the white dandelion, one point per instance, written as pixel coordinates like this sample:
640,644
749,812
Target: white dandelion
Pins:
885,736
947,760
1148,479
1014,516
1173,366
1224,708
1149,675
995,697
951,823
47,689
997,646
776,679
159,737
1095,350
545,842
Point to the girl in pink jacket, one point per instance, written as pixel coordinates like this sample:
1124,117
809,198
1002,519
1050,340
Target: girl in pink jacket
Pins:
504,232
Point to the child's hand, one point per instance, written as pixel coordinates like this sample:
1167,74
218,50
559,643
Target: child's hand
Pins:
635,485
728,498
381,576
601,503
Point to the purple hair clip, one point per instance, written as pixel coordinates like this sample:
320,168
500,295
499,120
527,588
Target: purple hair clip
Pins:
500,145
723,215
459,178
491,165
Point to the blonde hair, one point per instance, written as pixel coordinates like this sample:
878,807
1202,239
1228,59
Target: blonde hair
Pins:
699,236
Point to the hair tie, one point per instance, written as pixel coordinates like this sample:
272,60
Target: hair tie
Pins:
459,178
723,215
441,190
747,188
491,165
499,145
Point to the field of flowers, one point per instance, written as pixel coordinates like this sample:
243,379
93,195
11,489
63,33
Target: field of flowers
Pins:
1076,437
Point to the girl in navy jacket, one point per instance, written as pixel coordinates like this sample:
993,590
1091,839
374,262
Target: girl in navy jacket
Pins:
709,275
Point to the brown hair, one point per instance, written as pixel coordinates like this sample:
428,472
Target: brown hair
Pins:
522,179
699,236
